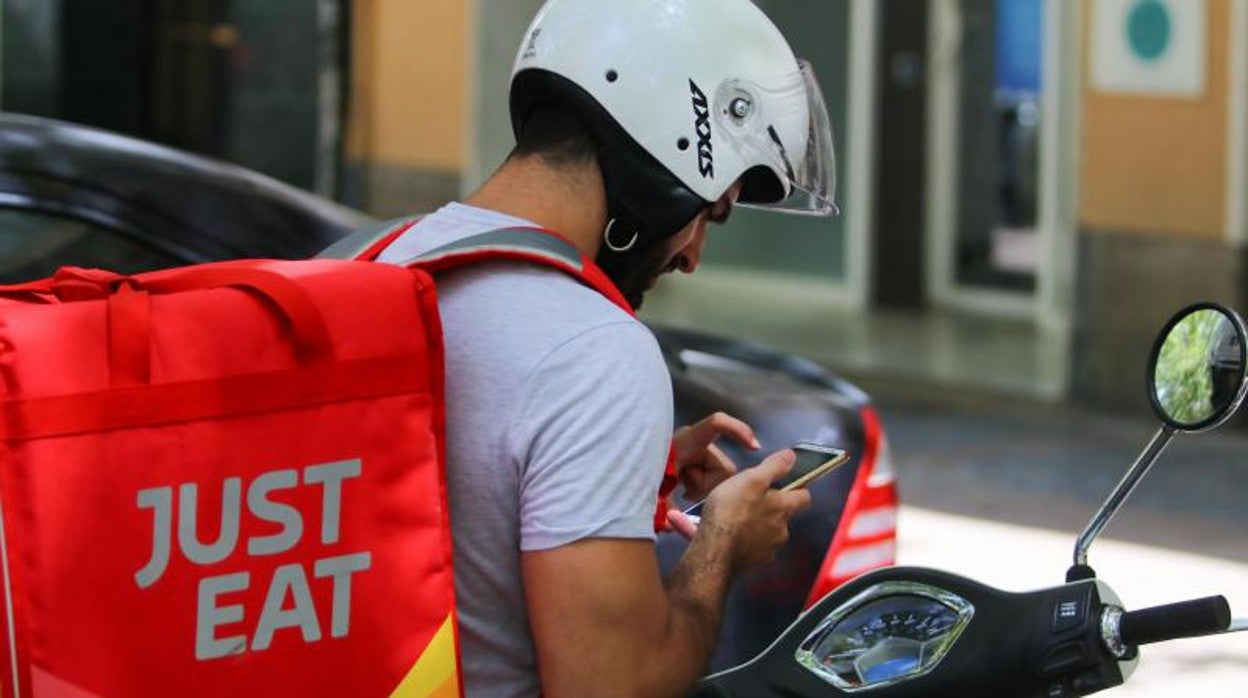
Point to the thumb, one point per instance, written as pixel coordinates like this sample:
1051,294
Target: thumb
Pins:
777,465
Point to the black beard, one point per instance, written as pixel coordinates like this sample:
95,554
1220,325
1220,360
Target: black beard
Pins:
632,271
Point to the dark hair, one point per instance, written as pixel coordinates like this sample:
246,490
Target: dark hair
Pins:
556,135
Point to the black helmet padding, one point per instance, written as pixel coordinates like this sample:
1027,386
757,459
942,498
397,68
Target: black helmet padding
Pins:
643,196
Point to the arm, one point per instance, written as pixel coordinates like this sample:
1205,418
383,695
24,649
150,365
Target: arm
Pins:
605,624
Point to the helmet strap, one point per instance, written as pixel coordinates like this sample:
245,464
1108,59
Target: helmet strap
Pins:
646,203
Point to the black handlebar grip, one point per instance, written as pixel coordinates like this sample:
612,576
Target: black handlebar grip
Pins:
1177,620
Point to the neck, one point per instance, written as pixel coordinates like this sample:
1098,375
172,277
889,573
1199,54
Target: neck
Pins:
570,200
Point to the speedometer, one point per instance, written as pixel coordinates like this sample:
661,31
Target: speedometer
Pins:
888,634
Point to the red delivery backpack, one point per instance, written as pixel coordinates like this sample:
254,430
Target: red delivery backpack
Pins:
224,477
232,477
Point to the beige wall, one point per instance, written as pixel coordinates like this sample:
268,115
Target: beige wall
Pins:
1155,165
410,81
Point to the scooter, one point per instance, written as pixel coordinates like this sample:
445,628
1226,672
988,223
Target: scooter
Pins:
902,632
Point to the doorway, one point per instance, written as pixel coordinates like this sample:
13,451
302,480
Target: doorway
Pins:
999,222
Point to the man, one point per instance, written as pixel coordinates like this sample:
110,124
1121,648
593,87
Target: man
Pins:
1226,367
638,123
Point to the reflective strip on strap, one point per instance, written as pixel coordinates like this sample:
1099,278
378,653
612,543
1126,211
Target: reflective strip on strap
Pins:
527,241
535,245
356,244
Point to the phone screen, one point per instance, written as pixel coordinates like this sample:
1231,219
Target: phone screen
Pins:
813,462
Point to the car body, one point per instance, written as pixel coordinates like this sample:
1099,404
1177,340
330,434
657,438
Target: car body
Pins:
74,195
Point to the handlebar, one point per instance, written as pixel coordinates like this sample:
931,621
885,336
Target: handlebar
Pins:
1177,620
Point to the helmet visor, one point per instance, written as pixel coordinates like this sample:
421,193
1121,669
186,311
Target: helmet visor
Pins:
807,167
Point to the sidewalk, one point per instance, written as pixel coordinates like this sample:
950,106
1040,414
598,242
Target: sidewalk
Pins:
1004,357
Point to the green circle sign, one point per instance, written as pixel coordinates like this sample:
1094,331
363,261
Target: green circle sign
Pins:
1149,29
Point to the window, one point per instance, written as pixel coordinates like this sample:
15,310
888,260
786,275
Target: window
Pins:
34,244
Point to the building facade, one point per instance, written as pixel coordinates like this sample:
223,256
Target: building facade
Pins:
1067,173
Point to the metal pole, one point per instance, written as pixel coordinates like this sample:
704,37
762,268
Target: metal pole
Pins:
1121,492
329,22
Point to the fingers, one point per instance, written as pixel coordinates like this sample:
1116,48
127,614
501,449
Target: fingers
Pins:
700,435
718,461
793,501
733,428
702,477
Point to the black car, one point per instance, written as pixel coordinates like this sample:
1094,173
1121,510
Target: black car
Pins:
71,195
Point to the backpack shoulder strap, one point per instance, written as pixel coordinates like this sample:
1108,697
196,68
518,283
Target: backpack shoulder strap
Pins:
535,245
367,243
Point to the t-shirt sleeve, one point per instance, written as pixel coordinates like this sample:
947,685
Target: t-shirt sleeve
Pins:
592,438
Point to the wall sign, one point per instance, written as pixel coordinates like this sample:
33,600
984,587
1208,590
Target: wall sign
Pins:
1150,47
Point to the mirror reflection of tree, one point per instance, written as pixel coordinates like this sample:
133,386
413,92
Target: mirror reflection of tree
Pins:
1184,385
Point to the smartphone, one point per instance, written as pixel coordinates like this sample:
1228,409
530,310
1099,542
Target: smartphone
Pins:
813,462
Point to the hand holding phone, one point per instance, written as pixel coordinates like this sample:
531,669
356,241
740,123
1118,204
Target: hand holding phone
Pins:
813,462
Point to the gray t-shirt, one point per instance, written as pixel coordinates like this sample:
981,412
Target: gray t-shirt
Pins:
559,416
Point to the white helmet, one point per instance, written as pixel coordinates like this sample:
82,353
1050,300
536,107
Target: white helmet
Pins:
705,92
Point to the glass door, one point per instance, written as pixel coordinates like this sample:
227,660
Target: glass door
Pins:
993,145
999,127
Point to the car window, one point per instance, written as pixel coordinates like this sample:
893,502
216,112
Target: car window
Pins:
34,244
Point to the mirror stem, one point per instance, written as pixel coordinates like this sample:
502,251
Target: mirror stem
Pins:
1121,492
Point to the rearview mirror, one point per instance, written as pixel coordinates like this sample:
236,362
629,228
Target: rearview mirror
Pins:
1196,381
1198,368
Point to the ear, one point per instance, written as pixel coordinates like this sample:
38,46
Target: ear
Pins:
689,256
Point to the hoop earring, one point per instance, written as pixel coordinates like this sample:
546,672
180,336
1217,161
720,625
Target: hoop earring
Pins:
606,238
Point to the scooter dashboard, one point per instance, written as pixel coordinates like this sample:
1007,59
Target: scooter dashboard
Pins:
903,632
